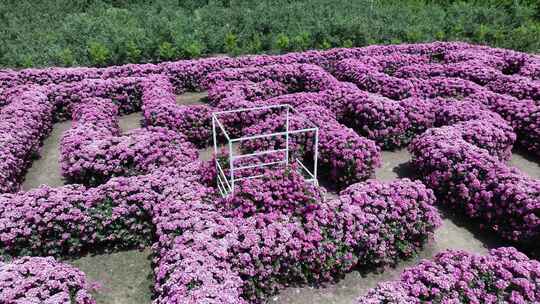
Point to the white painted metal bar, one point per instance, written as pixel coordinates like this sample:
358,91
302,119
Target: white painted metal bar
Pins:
226,186
222,128
231,165
252,109
221,190
303,166
258,153
221,184
214,135
260,165
249,177
316,156
287,136
223,174
272,134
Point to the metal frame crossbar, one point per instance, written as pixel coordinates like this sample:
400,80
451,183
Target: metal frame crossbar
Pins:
226,183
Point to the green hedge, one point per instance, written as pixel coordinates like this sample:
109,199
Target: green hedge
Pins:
99,33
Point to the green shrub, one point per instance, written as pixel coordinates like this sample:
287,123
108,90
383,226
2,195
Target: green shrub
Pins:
27,62
98,53
231,44
66,57
133,52
192,49
166,51
282,42
347,43
324,45
254,45
301,42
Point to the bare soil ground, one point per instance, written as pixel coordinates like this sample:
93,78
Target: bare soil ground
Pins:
126,276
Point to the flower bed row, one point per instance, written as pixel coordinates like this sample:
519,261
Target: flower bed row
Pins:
391,124
30,111
396,122
472,124
245,247
295,77
237,249
520,87
85,159
187,74
42,280
160,109
24,123
503,276
367,77
344,157
479,80
458,163
93,150
124,91
71,220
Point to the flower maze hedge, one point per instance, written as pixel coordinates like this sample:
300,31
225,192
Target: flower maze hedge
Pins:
459,109
503,276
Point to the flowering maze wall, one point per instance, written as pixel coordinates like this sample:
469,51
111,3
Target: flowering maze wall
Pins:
459,109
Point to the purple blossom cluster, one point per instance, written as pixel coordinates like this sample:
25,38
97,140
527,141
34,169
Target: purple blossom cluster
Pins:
188,74
140,151
402,209
252,91
503,276
125,92
483,79
285,233
282,191
230,89
160,109
368,78
522,115
232,250
24,123
93,151
42,280
344,156
296,77
458,163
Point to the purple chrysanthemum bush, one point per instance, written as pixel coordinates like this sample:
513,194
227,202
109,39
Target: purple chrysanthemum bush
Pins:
272,232
42,280
458,107
94,151
503,276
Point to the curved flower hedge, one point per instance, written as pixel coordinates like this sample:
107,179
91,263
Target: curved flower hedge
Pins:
206,246
503,276
160,109
42,280
93,151
344,157
24,123
466,176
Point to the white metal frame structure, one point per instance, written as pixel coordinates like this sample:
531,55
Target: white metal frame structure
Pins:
226,183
